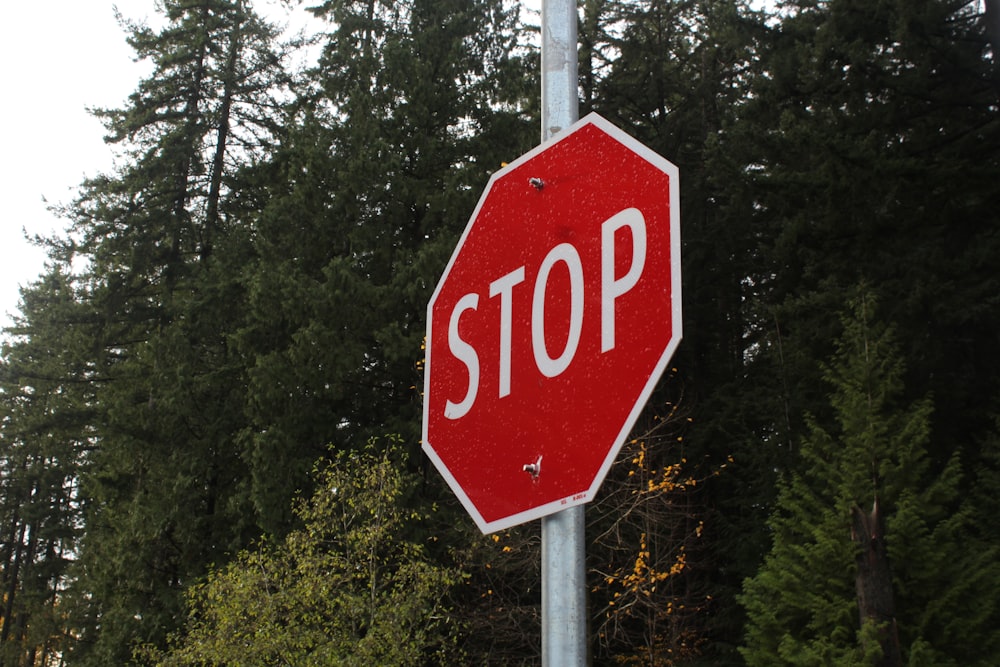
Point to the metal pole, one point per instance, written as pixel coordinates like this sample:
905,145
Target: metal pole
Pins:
564,584
560,105
564,589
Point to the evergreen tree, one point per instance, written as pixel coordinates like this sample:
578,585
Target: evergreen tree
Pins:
863,152
875,550
877,147
415,103
160,243
45,407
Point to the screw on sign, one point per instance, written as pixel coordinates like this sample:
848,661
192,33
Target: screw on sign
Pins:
556,316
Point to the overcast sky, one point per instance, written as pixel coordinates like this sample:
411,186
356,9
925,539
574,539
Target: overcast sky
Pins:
58,58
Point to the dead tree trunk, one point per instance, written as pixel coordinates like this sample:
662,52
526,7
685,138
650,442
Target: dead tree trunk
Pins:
874,583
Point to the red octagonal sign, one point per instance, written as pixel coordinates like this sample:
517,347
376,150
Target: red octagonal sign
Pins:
553,321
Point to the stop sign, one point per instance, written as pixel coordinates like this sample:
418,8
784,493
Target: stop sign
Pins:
552,323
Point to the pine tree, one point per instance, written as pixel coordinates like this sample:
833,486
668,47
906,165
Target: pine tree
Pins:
415,103
45,408
865,148
874,547
160,246
877,147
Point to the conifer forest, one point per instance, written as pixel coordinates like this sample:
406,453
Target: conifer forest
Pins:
210,399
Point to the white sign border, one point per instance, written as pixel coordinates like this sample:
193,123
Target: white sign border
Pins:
581,497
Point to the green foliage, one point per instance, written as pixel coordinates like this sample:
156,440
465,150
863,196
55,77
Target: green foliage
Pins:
417,103
858,157
155,246
249,285
351,587
803,603
878,135
45,407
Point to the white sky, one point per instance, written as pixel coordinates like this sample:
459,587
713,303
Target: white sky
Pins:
57,58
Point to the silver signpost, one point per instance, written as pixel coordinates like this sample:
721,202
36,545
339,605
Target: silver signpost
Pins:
489,445
564,592
564,597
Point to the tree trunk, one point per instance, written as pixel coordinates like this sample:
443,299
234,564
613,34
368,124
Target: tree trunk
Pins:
991,17
874,583
222,138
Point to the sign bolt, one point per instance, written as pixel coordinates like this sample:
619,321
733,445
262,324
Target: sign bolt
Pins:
537,183
533,469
